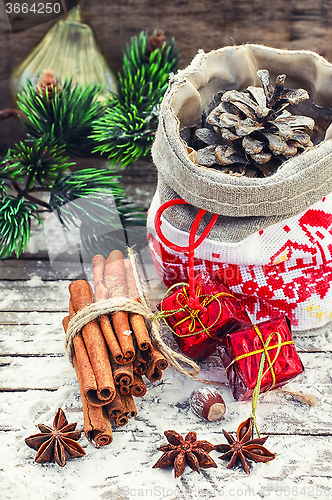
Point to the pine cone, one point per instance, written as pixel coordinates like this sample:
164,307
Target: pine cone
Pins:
253,128
47,84
154,42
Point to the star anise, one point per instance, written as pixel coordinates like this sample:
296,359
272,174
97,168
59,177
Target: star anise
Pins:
244,448
180,451
55,444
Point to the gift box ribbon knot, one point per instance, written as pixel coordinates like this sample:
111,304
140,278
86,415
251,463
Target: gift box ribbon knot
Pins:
194,306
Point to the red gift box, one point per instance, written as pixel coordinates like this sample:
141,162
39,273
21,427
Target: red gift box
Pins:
197,331
242,352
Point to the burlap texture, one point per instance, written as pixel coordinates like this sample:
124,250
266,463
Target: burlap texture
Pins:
244,204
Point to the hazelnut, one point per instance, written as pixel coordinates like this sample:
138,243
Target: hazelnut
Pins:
207,403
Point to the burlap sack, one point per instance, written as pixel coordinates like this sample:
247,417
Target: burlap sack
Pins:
250,233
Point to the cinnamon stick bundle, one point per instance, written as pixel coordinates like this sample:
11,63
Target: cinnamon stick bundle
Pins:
155,367
111,355
101,292
138,388
136,320
115,281
81,296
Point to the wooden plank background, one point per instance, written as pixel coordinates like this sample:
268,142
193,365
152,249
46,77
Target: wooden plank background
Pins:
195,24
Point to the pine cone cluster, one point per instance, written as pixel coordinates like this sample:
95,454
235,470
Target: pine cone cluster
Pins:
47,83
252,132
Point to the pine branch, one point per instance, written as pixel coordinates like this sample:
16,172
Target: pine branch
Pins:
67,191
22,194
94,200
38,162
125,132
124,135
15,222
66,113
10,113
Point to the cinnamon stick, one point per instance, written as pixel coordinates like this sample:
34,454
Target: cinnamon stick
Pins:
98,263
122,374
101,292
138,388
155,367
116,410
139,364
121,420
83,366
81,296
121,409
97,425
115,407
136,320
115,281
111,339
129,405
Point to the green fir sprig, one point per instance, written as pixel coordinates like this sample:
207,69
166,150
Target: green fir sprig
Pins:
37,163
95,201
92,184
125,132
91,198
66,113
124,135
15,223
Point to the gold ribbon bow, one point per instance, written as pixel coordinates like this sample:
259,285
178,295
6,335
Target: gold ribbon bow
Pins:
193,314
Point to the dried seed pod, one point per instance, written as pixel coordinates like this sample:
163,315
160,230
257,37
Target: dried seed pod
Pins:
208,403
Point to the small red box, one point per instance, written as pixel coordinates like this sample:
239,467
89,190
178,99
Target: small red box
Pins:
223,315
243,373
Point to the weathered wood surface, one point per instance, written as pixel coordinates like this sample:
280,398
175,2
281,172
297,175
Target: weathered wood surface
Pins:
195,24
19,269
32,304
